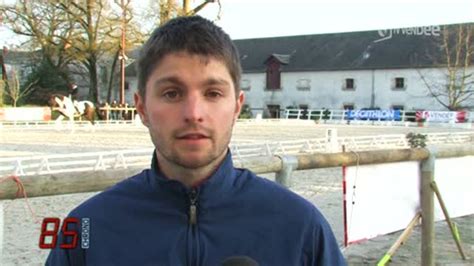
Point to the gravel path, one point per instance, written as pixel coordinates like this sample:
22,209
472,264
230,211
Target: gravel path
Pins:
322,187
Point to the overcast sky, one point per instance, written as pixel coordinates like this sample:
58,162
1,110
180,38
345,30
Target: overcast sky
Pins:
264,18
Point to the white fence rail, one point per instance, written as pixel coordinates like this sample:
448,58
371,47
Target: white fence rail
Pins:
35,124
123,159
334,116
74,162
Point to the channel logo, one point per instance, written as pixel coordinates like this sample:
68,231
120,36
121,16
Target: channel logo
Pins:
416,31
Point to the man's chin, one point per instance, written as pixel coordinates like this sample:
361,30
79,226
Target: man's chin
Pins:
193,161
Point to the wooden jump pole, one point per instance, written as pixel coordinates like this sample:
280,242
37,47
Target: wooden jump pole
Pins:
427,210
451,225
400,241
65,183
79,182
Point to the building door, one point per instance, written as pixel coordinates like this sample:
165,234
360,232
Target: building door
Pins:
274,110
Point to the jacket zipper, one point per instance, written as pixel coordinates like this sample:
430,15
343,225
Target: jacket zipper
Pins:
193,207
194,245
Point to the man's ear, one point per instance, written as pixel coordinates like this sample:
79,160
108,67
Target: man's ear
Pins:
240,103
141,109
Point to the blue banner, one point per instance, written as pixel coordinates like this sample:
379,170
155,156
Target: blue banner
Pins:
393,115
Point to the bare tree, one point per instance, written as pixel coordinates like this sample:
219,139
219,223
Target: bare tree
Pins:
169,9
70,33
137,31
130,36
3,84
88,40
47,28
14,91
454,57
76,35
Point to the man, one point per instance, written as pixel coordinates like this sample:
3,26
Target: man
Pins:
73,91
193,207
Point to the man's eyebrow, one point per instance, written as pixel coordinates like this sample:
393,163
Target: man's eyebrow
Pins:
167,80
176,80
216,81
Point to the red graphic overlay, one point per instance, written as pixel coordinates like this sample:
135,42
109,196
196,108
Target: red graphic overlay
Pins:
70,236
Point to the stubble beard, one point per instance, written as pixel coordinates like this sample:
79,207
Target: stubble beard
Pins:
215,152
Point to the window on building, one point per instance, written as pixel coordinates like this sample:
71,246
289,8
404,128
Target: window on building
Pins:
273,110
348,106
273,75
400,83
349,84
245,84
303,84
398,107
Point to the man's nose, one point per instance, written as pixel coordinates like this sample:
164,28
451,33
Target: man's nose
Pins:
193,109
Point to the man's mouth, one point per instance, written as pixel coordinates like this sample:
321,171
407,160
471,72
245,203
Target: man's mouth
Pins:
192,136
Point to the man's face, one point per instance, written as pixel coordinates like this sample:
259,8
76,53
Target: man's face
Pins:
190,108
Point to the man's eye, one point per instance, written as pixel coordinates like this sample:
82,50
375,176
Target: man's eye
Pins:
171,95
213,94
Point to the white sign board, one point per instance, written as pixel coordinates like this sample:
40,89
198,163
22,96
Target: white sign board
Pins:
384,198
380,198
25,114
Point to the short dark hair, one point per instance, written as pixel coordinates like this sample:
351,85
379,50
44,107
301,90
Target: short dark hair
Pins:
195,35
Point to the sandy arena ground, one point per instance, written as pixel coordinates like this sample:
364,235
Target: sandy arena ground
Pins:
322,187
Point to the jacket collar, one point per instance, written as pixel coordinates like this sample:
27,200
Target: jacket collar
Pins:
221,180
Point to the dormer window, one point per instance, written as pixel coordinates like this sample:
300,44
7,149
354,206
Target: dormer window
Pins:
274,63
273,75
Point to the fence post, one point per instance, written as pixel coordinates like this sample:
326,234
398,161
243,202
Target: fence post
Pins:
331,140
289,163
427,209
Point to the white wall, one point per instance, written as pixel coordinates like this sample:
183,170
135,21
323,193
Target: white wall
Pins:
326,89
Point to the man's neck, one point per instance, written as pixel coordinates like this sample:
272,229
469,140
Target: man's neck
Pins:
190,177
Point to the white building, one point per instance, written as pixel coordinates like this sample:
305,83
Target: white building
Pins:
372,69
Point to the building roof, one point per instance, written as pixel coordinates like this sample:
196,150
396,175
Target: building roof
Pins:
21,57
345,51
382,49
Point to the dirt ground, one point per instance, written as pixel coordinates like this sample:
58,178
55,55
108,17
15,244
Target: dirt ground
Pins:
323,187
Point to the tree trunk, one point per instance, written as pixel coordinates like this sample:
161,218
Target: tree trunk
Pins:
112,77
93,87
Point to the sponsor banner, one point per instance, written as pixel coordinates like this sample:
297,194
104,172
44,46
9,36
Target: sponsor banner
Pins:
373,115
437,116
25,114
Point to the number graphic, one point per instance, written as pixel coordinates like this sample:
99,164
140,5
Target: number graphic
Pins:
67,233
52,233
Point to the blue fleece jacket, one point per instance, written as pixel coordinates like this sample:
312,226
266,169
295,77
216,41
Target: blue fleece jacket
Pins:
148,219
